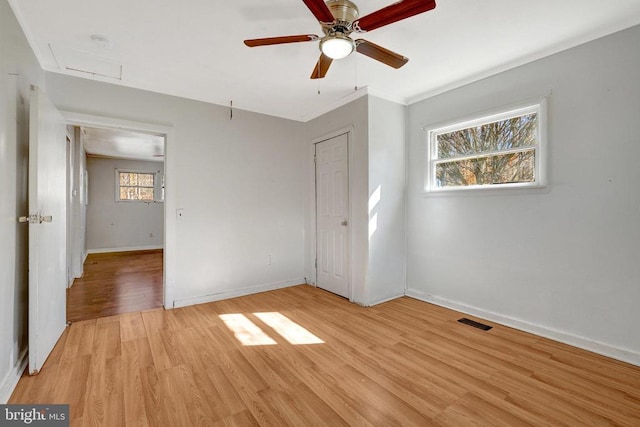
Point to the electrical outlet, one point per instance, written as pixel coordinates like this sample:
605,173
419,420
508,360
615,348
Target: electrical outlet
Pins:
269,259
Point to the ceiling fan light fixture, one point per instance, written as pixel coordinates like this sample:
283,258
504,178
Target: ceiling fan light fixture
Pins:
337,46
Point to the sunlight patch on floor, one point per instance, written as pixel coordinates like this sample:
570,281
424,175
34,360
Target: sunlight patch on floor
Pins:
247,332
288,329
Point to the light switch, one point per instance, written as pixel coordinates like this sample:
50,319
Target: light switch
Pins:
179,214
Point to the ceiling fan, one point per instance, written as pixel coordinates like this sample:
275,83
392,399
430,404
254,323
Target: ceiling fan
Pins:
338,19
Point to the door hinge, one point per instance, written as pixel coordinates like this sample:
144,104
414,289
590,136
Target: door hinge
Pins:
315,159
316,263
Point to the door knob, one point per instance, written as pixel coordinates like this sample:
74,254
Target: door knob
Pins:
344,223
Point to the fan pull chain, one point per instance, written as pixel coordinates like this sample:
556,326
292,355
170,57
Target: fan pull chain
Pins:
355,74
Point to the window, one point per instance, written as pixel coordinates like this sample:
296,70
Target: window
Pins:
497,151
135,186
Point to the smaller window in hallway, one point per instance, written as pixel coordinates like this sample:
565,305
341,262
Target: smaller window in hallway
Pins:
134,186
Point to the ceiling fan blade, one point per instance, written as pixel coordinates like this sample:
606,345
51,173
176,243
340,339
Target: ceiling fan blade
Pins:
281,40
322,66
320,10
396,12
381,54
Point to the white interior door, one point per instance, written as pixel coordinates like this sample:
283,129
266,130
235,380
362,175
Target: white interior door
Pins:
47,228
332,215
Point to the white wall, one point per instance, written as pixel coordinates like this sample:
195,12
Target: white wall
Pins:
79,207
76,218
561,263
354,118
18,70
376,166
386,206
240,183
114,226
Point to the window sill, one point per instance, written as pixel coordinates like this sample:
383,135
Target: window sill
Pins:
488,191
148,202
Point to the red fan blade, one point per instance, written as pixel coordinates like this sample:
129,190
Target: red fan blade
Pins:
381,54
398,11
320,10
322,66
280,40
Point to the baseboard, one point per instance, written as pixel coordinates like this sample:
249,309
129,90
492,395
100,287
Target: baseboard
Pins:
617,353
126,249
383,300
10,381
237,292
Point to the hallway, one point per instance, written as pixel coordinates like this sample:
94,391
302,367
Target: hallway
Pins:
115,283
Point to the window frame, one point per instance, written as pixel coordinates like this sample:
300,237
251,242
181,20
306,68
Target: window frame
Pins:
538,106
157,185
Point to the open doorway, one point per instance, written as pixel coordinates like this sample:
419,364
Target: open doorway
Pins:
118,220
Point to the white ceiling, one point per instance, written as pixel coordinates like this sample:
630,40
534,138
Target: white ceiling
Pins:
123,144
194,49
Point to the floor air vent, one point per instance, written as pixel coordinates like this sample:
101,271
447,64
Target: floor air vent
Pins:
475,324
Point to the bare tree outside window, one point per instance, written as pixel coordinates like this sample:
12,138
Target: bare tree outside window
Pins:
500,152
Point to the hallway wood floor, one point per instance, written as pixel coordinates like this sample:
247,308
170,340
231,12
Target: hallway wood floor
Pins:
116,283
258,360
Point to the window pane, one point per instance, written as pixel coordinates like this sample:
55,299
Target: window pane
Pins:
145,193
136,179
497,169
125,178
505,134
127,193
136,193
145,179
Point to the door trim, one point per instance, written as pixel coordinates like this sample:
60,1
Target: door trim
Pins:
314,223
170,226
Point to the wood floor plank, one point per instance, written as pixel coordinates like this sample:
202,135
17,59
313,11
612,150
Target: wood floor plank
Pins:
151,396
540,398
472,379
161,357
326,388
229,401
58,349
132,327
315,409
107,341
471,408
71,388
241,419
115,411
134,408
416,392
404,362
174,392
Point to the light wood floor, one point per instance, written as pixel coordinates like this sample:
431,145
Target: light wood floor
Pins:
402,363
116,283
